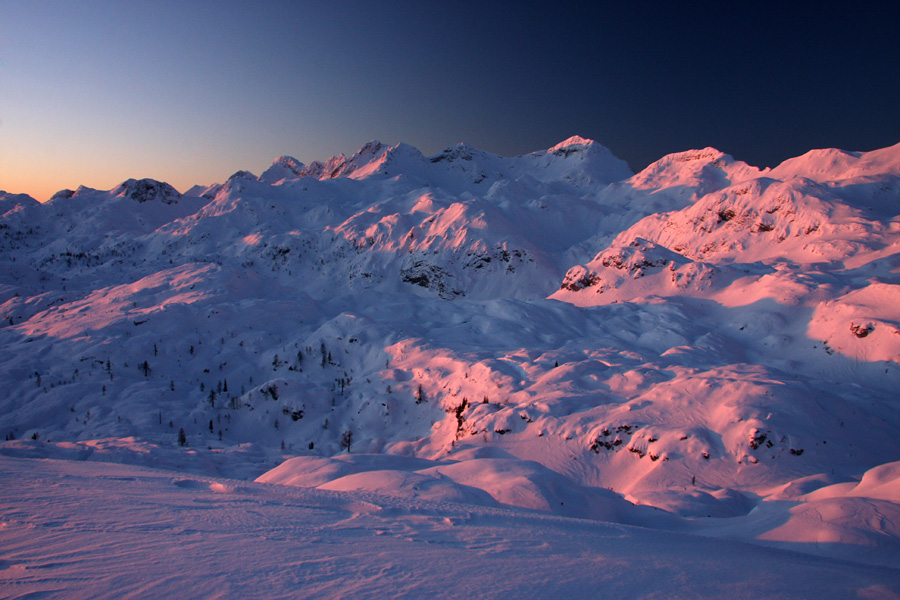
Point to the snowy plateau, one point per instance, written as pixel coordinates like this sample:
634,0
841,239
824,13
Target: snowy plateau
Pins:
462,376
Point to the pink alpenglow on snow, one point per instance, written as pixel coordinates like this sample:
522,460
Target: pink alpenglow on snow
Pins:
398,374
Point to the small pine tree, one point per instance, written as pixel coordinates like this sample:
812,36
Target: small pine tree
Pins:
420,395
346,440
182,438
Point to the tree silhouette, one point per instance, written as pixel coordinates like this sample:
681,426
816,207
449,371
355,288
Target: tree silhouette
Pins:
346,440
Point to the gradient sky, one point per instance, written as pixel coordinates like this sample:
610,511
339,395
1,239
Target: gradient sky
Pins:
93,92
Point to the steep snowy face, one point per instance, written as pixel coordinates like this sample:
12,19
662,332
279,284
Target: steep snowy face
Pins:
448,246
401,159
374,158
736,222
283,167
341,166
315,169
574,144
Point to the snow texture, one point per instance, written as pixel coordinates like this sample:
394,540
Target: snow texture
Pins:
392,374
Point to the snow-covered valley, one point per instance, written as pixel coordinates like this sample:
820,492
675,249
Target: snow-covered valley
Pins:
397,372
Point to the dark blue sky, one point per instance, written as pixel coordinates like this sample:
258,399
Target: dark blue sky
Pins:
188,92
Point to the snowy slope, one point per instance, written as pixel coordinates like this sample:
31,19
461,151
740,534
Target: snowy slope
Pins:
152,534
719,353
202,537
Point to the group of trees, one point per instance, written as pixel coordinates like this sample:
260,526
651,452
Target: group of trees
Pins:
271,392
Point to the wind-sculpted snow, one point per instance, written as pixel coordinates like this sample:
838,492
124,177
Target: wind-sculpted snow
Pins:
720,345
97,530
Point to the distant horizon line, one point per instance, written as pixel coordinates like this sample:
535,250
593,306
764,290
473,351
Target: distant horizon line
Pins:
445,149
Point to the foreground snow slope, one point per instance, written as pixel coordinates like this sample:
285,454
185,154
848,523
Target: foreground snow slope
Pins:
719,353
152,534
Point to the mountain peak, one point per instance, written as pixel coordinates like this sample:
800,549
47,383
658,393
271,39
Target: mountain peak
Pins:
9,201
283,167
370,148
288,161
831,164
243,175
704,155
576,142
460,151
694,172
66,193
145,190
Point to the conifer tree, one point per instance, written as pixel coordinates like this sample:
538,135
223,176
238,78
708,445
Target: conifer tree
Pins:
346,440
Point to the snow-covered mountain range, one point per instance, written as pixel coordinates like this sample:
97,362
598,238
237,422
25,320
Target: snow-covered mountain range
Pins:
550,332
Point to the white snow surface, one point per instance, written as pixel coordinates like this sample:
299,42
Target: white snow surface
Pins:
396,373
101,530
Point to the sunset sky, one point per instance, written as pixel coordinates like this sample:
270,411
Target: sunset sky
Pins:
94,92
